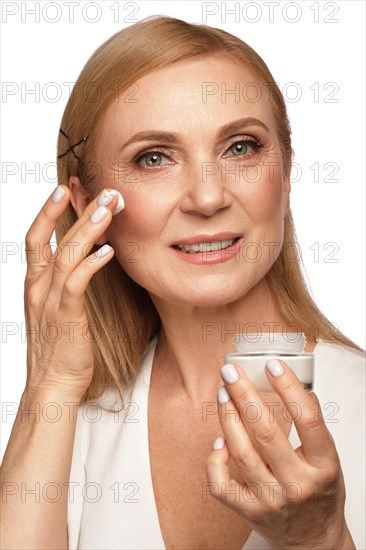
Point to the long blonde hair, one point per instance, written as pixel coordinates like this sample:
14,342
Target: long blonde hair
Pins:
113,300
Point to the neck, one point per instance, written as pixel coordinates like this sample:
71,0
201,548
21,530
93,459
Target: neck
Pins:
193,340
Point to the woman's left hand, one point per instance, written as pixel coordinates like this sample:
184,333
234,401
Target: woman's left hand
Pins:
292,498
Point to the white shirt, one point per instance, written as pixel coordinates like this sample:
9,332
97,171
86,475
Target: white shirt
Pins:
111,502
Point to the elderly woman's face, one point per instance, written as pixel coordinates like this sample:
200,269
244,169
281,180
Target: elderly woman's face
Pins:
197,160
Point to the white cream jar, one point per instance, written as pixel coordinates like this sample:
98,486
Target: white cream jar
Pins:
252,351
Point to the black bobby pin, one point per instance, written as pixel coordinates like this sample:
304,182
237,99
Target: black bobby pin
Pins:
71,147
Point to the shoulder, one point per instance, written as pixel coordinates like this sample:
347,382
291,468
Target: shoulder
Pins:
340,356
107,416
339,383
102,438
111,398
339,374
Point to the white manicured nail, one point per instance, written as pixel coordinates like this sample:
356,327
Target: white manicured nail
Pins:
274,367
103,251
229,374
218,443
99,214
222,395
58,194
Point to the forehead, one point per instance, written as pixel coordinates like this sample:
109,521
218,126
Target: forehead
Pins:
205,92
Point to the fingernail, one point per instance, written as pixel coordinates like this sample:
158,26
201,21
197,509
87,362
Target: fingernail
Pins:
103,251
121,203
58,194
104,198
229,374
223,395
99,214
274,367
218,443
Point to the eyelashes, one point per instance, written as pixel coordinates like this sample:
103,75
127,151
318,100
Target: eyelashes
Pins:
156,154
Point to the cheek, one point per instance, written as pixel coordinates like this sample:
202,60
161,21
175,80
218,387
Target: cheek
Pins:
142,219
262,195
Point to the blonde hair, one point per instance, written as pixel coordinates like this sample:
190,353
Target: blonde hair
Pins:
112,298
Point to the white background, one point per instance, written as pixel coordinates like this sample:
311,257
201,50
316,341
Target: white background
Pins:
307,45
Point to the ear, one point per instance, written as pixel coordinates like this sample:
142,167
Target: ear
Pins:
80,200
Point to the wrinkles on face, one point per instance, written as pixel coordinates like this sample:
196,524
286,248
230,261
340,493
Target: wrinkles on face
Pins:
198,185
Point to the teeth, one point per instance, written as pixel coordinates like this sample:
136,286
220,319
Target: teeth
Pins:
205,247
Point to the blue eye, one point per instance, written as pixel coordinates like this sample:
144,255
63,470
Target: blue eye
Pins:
153,159
150,159
243,147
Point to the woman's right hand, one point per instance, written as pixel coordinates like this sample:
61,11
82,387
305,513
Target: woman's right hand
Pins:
59,345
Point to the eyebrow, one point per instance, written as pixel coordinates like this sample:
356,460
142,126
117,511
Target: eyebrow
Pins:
170,137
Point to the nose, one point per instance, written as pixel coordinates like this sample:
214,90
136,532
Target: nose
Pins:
206,189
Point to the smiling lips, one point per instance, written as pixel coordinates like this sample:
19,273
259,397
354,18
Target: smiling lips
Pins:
205,247
208,248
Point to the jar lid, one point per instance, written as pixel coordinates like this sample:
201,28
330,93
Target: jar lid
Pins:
270,342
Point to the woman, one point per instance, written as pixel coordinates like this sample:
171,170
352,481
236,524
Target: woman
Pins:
157,163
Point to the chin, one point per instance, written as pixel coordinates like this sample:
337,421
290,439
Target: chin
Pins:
209,295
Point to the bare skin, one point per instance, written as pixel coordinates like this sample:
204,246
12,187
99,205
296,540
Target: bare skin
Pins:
180,438
173,201
39,451
165,203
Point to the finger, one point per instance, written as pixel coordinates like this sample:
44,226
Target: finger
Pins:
37,239
73,295
245,499
305,410
108,197
237,438
267,436
79,240
220,484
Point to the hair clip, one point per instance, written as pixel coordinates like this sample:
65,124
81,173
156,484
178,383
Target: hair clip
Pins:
71,147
